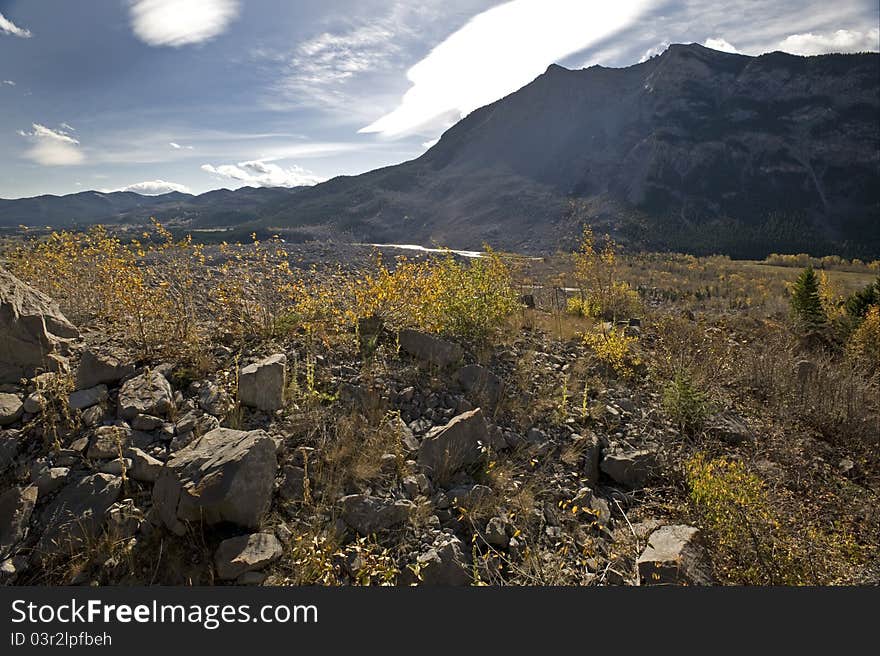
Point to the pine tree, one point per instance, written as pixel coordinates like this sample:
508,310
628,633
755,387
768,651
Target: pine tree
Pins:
806,304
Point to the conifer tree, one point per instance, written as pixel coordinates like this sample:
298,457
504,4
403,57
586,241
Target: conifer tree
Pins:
806,304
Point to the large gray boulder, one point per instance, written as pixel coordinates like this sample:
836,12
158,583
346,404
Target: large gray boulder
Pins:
76,515
261,385
224,476
430,349
86,398
32,329
16,506
100,369
367,515
147,394
458,444
675,556
246,553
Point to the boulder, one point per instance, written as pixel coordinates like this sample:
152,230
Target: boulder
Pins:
430,349
630,468
16,506
458,444
445,563
147,394
108,442
144,467
86,398
225,476
32,330
214,400
675,556
34,403
729,427
368,515
9,446
11,408
481,384
246,553
261,385
293,485
76,515
100,369
49,479
123,519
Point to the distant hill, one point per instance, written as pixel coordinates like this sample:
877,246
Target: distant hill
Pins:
694,150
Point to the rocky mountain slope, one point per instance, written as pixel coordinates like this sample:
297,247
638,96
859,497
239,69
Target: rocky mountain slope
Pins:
694,150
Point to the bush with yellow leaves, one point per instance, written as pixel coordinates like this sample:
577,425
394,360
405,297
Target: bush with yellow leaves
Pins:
864,344
614,349
596,274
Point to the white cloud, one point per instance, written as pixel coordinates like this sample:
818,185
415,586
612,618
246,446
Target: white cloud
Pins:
496,53
659,49
8,27
178,23
52,147
839,41
720,44
177,146
264,174
156,188
9,83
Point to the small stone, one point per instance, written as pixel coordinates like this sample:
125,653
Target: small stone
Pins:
108,442
261,385
11,408
246,553
87,398
143,422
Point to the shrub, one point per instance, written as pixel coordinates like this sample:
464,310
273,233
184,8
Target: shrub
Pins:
614,349
858,304
685,404
864,344
595,272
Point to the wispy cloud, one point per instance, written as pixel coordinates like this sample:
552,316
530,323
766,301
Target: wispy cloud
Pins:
156,188
52,147
839,41
8,27
496,53
177,146
178,23
8,83
263,174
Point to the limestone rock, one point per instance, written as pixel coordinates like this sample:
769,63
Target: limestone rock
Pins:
458,444
147,394
16,506
246,553
32,329
225,476
86,398
481,383
261,385
100,368
675,556
367,515
630,468
430,349
11,408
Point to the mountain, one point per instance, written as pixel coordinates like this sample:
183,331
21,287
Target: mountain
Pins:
694,150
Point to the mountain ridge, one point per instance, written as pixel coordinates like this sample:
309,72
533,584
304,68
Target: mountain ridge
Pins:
694,149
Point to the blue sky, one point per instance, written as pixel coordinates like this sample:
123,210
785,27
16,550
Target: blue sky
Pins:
155,95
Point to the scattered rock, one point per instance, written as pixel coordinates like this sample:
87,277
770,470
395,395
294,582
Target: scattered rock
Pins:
108,442
496,533
675,556
214,400
147,394
246,553
16,506
469,496
261,385
77,513
144,467
805,370
143,422
124,519
49,479
293,483
731,428
458,444
117,466
82,399
226,475
430,349
631,468
34,403
445,563
9,445
32,330
100,368
481,383
368,515
11,408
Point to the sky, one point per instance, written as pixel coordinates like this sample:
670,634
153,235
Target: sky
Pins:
192,95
